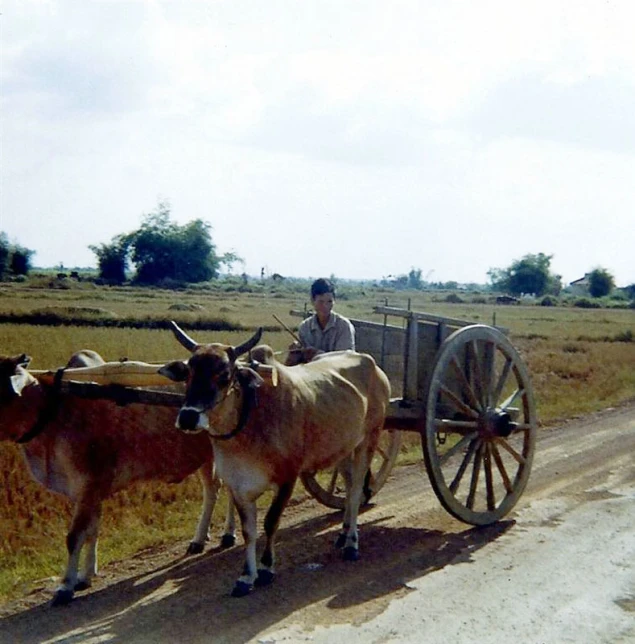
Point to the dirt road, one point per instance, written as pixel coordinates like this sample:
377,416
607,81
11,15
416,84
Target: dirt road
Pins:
560,569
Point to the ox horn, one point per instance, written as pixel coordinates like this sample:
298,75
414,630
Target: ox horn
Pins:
182,337
250,344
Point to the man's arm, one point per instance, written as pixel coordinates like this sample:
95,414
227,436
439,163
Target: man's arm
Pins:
345,337
302,352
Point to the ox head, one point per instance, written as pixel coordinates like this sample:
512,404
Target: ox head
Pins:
210,374
16,410
14,377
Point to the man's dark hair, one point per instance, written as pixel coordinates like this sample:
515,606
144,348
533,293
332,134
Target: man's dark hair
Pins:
321,286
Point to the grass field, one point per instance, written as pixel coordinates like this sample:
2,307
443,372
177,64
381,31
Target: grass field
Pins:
580,361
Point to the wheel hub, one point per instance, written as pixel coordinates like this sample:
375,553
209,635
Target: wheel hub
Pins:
496,422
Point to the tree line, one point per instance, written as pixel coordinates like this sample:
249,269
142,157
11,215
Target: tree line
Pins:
532,275
163,252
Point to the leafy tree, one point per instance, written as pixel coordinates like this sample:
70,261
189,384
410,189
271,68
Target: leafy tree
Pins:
531,274
601,282
230,258
112,259
162,250
14,259
414,279
21,260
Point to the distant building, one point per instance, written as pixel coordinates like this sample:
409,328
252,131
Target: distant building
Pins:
580,286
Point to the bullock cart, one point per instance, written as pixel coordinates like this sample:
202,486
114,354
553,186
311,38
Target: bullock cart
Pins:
465,389
461,386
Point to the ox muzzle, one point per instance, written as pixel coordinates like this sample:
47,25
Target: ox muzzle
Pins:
191,419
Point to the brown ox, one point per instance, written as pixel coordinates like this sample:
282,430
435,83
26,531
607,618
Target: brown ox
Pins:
89,449
315,416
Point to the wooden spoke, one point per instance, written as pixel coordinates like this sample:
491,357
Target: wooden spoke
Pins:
333,481
505,445
501,468
521,427
449,426
465,385
476,470
502,379
475,367
488,371
512,399
489,483
458,447
464,463
458,402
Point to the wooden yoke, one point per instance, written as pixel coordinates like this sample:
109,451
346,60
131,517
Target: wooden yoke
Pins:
133,381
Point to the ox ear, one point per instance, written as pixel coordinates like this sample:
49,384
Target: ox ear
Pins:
234,352
176,370
22,360
20,380
249,378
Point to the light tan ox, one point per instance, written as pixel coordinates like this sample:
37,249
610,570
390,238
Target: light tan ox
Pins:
264,435
88,449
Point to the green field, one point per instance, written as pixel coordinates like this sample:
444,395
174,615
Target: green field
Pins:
580,361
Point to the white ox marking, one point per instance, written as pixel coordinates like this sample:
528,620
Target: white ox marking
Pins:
319,414
89,449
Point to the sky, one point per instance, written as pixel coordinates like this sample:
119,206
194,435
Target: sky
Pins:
317,137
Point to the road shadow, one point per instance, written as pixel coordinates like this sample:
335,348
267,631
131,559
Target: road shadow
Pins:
189,601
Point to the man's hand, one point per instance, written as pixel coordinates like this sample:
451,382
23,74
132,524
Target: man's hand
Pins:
300,355
309,353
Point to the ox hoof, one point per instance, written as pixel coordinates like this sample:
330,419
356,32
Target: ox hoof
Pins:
227,541
82,585
241,589
194,548
265,577
340,542
351,554
62,597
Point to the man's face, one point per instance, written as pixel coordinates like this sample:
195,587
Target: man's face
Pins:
323,304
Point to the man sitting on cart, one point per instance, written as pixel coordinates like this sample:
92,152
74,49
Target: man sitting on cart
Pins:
325,330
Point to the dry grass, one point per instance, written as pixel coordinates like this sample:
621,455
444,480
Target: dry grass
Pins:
577,363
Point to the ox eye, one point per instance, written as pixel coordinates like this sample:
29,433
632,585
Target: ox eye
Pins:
223,380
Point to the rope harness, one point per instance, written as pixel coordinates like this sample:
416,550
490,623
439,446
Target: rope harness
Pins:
249,402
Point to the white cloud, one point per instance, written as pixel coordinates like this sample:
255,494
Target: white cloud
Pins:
352,138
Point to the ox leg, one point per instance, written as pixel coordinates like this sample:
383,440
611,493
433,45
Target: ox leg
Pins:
266,574
85,578
84,526
346,470
211,485
229,533
247,512
354,477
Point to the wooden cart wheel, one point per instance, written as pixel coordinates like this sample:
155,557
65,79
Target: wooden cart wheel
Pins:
481,425
327,486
